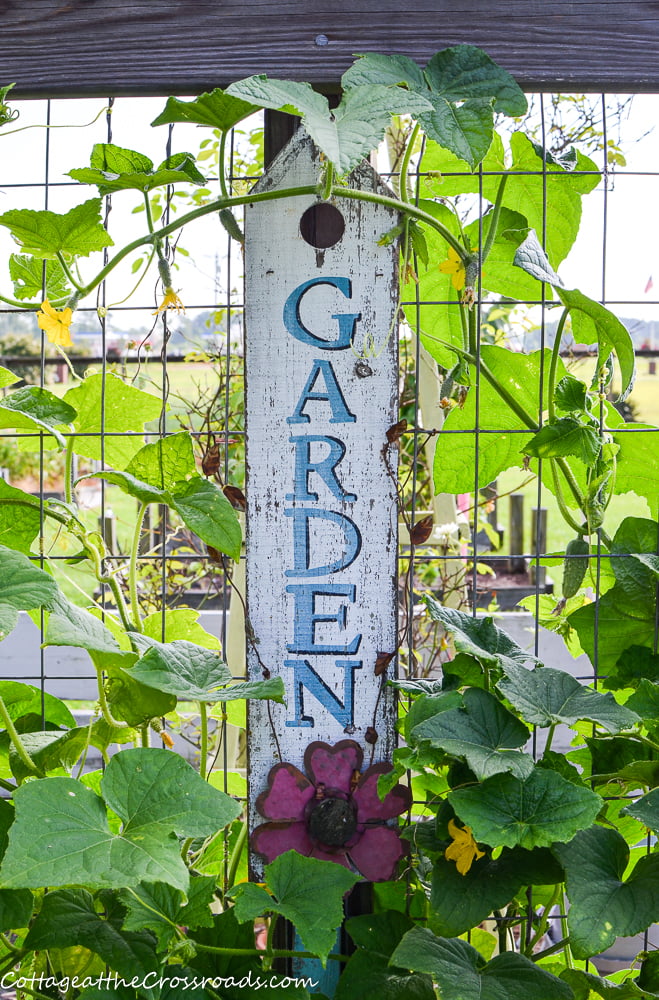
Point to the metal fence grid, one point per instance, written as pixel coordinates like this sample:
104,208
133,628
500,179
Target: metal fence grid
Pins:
210,275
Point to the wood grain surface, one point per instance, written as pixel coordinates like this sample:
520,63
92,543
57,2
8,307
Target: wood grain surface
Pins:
103,47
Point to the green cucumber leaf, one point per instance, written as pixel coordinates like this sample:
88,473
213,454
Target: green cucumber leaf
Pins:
161,908
345,134
16,908
532,258
190,672
463,72
565,436
121,409
459,902
23,587
70,625
216,108
571,394
635,545
645,810
593,323
505,812
76,233
178,623
27,274
478,637
483,732
461,973
637,468
465,129
20,517
548,697
23,700
608,627
306,891
68,918
586,985
36,409
603,905
367,974
61,834
520,374
116,169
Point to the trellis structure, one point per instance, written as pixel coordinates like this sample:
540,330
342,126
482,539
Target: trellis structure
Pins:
87,48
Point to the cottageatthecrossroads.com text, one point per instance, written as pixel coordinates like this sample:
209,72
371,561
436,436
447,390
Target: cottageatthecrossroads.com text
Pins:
152,980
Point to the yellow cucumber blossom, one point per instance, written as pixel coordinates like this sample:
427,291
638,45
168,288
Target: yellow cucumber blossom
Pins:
56,324
170,301
463,850
455,268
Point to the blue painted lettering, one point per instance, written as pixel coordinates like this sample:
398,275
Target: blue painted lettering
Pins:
302,547
304,676
324,467
305,617
332,395
346,321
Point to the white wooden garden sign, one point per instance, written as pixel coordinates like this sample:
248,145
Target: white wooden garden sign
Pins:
322,389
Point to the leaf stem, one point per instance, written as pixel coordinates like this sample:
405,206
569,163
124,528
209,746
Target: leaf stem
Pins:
544,920
553,366
560,500
12,733
403,189
494,220
220,163
550,737
203,738
68,470
274,953
236,854
68,272
103,704
132,567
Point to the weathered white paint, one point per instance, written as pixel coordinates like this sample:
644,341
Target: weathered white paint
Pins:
278,367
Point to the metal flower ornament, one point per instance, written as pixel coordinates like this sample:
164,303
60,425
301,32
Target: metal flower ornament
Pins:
333,812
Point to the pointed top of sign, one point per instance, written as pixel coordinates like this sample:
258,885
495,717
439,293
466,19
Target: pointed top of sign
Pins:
299,162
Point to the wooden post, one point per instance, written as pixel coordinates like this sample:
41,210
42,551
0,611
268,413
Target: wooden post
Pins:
517,562
538,544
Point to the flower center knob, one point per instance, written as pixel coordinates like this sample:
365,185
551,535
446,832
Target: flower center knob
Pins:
332,821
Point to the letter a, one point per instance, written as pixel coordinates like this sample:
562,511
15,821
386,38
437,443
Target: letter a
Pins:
332,395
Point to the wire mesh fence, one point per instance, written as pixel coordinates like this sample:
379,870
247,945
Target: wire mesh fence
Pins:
477,544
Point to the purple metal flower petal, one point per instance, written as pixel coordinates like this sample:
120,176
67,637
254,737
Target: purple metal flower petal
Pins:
272,839
287,794
366,798
339,856
377,853
333,766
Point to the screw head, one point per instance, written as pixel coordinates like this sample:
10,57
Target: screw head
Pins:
321,40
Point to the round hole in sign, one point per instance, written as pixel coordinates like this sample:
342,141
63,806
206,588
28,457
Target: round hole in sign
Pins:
322,225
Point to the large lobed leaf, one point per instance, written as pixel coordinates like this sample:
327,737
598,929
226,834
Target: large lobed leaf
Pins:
108,403
61,835
536,812
604,905
113,168
23,587
547,697
463,974
216,109
483,732
306,891
76,233
165,472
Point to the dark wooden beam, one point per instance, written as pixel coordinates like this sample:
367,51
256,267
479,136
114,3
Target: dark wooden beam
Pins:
101,47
